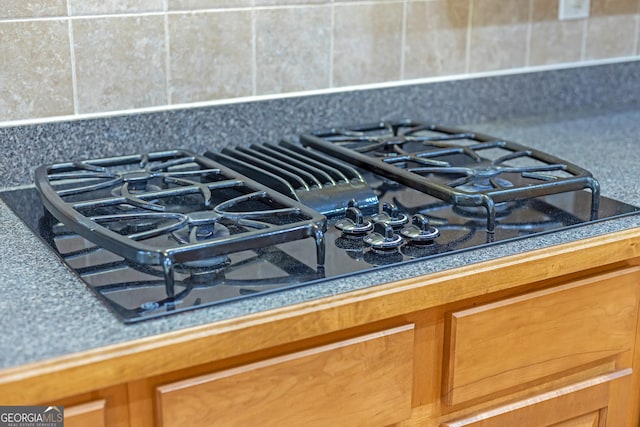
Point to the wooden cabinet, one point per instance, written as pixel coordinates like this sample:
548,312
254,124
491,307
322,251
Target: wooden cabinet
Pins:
506,352
91,414
516,341
551,355
587,403
364,381
107,407
547,338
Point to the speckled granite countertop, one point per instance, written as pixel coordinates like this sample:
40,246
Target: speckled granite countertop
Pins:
46,311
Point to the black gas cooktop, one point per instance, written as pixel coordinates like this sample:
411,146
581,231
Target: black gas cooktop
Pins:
159,233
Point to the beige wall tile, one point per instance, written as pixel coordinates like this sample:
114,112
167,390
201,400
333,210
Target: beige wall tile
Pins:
293,49
613,7
206,4
610,28
545,10
436,38
554,41
120,63
498,34
610,36
211,55
91,7
35,70
30,9
367,43
289,2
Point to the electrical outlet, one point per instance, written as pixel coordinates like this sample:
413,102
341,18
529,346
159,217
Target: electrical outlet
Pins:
573,9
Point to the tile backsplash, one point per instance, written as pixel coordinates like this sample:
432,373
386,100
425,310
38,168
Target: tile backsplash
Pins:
66,58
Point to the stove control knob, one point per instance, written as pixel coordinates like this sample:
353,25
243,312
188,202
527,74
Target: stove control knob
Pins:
383,238
354,223
420,232
391,216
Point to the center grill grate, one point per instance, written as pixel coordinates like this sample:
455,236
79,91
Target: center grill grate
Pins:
312,178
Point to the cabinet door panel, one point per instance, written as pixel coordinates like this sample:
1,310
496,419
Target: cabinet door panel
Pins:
91,414
507,344
592,419
363,381
581,404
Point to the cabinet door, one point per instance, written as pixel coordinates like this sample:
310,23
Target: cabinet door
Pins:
104,407
592,419
364,381
507,345
91,414
589,403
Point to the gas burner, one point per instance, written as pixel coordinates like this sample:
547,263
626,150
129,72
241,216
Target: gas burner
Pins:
492,176
457,167
203,218
128,177
127,225
140,226
194,192
479,180
129,192
207,272
388,139
203,226
479,213
137,181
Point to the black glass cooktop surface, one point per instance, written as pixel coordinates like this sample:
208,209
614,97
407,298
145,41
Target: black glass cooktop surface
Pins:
137,292
158,233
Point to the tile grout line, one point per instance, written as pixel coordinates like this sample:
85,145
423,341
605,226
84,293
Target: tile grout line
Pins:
78,17
636,35
167,47
527,49
583,47
135,14
636,40
332,42
165,10
254,52
467,54
403,38
72,59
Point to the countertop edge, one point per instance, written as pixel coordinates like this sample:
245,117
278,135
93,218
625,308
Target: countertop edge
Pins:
144,357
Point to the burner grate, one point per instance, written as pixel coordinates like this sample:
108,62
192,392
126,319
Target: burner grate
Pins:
462,168
172,208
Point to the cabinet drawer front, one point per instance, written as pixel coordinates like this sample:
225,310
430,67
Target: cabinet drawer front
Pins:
522,339
363,381
87,414
578,405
